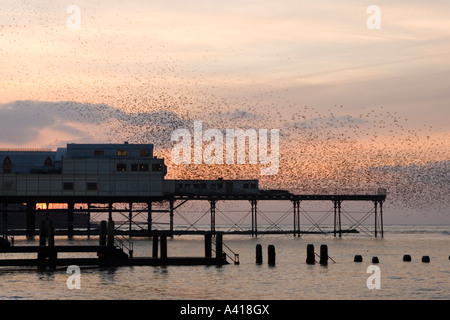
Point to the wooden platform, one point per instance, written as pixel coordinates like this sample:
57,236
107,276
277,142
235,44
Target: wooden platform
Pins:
107,256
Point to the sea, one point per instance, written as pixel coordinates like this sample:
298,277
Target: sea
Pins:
290,278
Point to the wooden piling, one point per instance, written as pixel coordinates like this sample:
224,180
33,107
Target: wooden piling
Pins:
375,260
407,258
43,233
219,245
426,259
111,227
310,258
155,245
271,255
208,245
102,233
259,254
358,258
324,255
163,245
51,243
42,239
50,233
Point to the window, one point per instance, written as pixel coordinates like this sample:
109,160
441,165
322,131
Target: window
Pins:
99,153
121,153
122,167
48,162
134,167
246,185
144,153
91,186
253,186
68,186
7,165
143,167
156,167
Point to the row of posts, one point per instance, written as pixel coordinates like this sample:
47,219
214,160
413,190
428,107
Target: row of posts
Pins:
310,254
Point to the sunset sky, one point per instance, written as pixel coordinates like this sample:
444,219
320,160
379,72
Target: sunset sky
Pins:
356,107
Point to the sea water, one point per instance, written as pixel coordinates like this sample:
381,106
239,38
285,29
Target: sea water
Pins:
289,279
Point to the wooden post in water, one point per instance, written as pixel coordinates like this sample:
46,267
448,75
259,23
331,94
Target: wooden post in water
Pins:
163,245
110,239
102,233
70,219
219,245
51,241
208,245
42,238
259,255
324,255
271,255
310,258
43,233
155,245
50,233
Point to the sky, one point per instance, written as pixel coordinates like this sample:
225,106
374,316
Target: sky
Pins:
358,108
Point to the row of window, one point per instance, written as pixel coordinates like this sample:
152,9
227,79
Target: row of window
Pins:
122,167
7,164
90,186
122,153
212,186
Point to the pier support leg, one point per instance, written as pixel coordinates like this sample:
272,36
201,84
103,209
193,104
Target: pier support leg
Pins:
110,207
149,218
42,239
102,233
337,217
163,245
219,245
208,245
171,216
130,218
376,218
70,208
155,245
111,227
254,218
31,220
213,215
381,219
296,217
5,219
88,220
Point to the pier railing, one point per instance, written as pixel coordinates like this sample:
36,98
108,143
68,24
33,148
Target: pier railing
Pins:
124,243
228,252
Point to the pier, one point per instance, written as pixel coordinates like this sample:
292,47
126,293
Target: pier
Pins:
110,252
146,207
